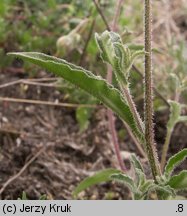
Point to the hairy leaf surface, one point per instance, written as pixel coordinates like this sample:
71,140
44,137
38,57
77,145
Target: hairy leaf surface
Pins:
174,161
179,182
87,81
136,162
99,177
126,180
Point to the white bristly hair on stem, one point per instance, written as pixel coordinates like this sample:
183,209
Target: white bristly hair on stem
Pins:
148,103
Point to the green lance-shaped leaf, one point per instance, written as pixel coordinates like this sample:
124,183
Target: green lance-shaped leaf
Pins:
126,57
140,47
24,196
174,118
105,45
163,190
102,176
174,161
126,180
141,178
121,62
135,55
114,52
130,183
145,187
87,81
179,182
43,197
136,162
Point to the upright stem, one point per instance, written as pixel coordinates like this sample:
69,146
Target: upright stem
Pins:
148,103
133,108
126,92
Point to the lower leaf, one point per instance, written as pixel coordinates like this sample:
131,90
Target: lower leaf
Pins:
102,176
179,182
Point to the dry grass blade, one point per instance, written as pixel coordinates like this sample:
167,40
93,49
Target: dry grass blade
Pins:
13,178
31,82
48,103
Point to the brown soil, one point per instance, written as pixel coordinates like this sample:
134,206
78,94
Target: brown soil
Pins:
69,156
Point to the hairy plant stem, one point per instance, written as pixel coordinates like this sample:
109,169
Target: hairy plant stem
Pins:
126,92
132,106
148,101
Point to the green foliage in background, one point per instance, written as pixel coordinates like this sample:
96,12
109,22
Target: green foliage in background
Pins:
40,24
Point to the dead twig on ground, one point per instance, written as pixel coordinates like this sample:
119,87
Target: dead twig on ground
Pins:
22,134
31,82
48,103
13,178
